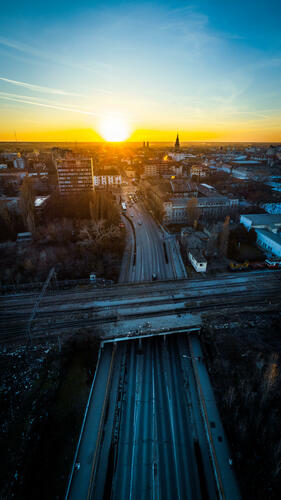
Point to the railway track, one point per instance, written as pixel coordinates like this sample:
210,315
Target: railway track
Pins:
161,288
76,319
167,298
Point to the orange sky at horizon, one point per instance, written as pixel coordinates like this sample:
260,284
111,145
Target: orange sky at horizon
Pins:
140,135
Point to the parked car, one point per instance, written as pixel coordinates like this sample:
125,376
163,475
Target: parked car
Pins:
257,265
273,263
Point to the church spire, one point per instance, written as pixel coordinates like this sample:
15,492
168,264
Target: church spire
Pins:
177,143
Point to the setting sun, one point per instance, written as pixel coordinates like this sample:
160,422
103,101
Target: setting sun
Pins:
114,128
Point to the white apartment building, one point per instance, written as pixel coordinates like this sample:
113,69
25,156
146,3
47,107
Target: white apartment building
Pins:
107,180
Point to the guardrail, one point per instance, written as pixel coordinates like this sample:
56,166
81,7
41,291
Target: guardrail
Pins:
207,427
82,427
134,233
102,419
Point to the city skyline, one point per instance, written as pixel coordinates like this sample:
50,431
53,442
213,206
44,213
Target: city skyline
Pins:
83,72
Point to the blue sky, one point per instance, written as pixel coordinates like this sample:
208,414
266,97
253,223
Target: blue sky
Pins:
209,69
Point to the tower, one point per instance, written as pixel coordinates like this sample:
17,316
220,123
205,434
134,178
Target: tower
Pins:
177,143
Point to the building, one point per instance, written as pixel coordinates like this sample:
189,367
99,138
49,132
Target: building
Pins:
150,170
176,209
197,260
183,188
207,190
268,230
164,168
270,222
19,162
24,237
199,170
108,177
130,172
178,156
177,143
75,174
269,242
273,155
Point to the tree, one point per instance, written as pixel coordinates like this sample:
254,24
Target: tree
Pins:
192,211
224,236
99,236
27,203
7,217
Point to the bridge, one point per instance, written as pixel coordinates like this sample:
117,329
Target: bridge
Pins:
151,427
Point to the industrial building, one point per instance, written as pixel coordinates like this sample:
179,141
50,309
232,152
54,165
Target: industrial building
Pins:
268,230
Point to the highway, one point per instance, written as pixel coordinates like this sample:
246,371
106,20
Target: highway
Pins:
151,429
150,254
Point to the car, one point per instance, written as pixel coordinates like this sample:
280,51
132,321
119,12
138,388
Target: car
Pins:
139,222
132,215
154,276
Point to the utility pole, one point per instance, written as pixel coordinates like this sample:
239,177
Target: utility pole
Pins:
37,303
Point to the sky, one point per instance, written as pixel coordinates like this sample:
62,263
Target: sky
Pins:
210,70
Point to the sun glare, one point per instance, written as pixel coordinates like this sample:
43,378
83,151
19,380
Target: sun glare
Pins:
114,128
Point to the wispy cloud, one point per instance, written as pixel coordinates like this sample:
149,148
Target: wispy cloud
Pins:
40,88
49,90
34,101
100,67
28,100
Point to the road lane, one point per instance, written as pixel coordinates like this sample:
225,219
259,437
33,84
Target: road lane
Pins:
150,256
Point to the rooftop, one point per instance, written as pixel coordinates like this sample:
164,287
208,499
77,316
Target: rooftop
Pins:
272,236
182,186
40,200
267,219
197,254
107,171
208,186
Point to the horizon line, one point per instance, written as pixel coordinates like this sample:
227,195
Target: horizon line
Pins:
139,142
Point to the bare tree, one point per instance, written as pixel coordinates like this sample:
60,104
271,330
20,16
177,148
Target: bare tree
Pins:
27,203
97,234
7,216
270,376
192,211
224,236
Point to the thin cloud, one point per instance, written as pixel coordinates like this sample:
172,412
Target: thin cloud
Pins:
43,55
35,102
49,90
28,100
40,88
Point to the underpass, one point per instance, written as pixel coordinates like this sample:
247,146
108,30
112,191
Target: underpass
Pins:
147,439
